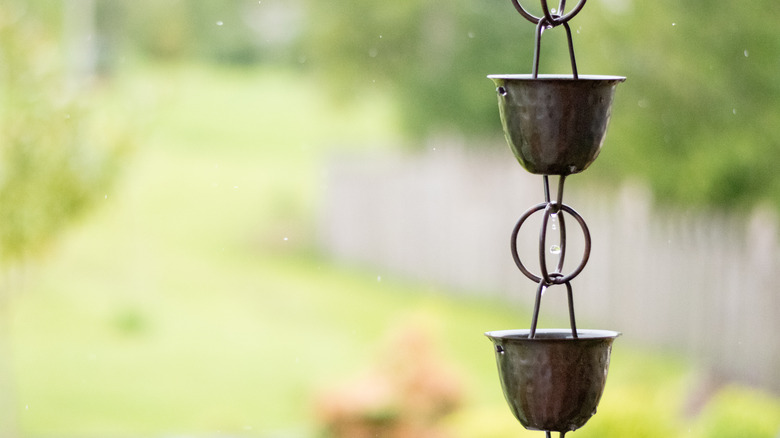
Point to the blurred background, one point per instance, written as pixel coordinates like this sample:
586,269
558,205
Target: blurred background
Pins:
289,218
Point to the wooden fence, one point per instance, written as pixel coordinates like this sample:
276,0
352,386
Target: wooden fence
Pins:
697,281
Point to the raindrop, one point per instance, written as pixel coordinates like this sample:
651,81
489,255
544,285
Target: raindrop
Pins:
552,11
674,24
380,37
734,111
746,53
285,239
554,221
220,23
555,249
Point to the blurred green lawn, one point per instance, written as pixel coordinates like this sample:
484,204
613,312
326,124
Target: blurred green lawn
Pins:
192,302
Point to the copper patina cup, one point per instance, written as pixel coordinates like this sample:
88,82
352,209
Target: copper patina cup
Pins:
553,382
555,124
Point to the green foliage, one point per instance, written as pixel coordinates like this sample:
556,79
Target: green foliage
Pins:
57,157
696,116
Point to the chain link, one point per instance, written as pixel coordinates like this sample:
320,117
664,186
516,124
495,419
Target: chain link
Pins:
546,278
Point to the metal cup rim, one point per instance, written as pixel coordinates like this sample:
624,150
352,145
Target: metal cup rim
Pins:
552,335
556,77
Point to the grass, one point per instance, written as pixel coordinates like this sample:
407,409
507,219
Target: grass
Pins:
191,302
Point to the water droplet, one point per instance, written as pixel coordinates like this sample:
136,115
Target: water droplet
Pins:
285,239
555,249
674,24
219,23
552,11
746,53
380,37
554,221
734,111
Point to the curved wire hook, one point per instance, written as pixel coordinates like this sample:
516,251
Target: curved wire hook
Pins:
538,302
540,27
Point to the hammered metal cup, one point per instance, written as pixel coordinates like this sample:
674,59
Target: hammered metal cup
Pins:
553,382
554,124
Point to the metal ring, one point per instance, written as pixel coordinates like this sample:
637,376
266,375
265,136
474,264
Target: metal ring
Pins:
554,20
573,12
524,13
513,246
556,278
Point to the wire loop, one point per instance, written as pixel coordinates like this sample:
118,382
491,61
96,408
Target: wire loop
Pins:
554,19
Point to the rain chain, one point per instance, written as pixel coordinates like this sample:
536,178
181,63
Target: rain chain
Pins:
555,125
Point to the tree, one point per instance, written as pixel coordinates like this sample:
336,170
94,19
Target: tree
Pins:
57,158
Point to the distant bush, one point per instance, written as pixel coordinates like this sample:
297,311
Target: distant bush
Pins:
405,395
